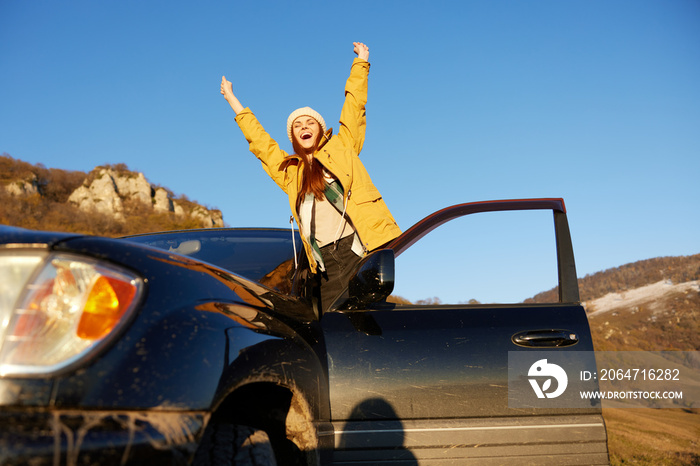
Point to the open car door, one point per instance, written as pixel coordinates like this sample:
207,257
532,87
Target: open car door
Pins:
428,382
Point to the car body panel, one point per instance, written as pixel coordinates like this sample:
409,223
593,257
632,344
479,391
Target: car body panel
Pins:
434,362
80,437
423,364
525,440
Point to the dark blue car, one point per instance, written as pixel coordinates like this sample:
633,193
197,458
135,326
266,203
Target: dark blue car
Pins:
207,347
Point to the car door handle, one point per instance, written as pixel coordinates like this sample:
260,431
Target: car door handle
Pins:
545,338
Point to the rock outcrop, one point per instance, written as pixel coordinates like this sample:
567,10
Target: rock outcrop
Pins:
99,194
162,201
25,187
106,190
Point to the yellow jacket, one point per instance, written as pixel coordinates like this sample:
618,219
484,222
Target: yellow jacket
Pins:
366,209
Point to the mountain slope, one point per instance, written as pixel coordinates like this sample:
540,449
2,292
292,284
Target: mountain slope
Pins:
656,317
110,200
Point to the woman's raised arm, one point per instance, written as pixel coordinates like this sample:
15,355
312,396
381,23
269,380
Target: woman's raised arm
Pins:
227,92
352,116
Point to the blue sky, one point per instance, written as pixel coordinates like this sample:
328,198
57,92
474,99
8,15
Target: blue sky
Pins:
597,102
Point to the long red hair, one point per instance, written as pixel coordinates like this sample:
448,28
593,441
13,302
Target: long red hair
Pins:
312,180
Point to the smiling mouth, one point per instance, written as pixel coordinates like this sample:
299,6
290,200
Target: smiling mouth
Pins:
306,136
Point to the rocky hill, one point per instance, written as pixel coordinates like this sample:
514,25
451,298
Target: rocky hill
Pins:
110,200
661,316
106,190
629,276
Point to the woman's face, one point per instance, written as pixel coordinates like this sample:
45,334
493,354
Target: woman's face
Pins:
306,130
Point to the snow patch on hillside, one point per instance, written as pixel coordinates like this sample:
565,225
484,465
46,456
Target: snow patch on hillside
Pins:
638,296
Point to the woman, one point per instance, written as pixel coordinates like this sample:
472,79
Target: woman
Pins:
340,213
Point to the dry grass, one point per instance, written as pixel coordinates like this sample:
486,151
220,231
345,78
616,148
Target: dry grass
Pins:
653,436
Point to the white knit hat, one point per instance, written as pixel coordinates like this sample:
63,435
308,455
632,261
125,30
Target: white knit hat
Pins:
304,111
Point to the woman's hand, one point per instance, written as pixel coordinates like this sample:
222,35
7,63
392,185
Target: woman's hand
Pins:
227,92
361,50
226,88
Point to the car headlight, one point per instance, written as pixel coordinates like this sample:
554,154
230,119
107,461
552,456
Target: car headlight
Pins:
55,309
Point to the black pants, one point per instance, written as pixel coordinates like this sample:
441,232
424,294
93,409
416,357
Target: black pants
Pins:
340,263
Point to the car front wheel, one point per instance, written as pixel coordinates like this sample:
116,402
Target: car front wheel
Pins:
225,444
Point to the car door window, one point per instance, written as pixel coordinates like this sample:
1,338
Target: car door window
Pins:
486,258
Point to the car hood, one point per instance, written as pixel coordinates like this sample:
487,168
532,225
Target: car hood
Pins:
15,235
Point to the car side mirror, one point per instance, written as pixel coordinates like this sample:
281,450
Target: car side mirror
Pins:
373,281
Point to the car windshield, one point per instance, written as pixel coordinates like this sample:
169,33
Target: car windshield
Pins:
263,255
